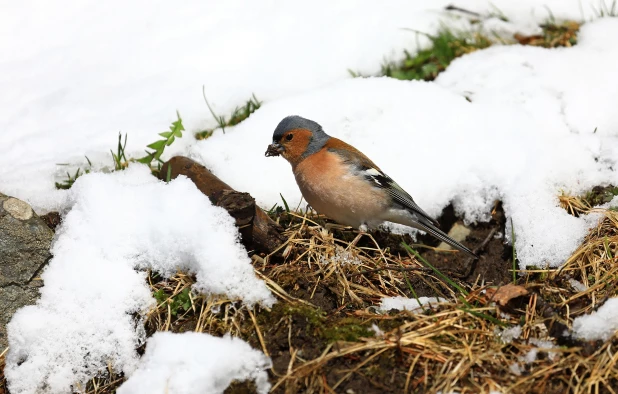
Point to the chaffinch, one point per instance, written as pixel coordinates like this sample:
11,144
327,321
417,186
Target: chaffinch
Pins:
339,181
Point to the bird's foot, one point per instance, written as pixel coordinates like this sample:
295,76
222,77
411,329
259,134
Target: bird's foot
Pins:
362,230
335,226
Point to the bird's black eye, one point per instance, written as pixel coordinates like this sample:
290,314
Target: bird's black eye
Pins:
289,137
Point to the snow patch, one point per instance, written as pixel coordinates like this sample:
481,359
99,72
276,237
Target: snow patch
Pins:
195,363
95,288
507,335
601,324
409,304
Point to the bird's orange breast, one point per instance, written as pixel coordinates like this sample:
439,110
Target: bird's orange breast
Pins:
330,186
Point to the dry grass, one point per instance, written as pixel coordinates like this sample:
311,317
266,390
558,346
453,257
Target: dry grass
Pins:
3,389
329,284
554,34
456,348
594,263
331,280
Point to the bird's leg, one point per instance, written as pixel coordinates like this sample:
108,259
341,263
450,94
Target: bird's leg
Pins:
362,230
334,226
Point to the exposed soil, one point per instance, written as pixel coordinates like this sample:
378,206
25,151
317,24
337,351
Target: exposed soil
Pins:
325,334
52,219
309,331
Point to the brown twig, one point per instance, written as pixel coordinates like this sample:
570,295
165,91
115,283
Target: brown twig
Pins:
396,269
455,8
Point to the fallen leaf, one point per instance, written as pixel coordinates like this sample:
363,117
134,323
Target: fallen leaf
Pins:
526,40
502,295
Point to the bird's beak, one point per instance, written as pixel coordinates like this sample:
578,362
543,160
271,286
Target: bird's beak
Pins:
274,149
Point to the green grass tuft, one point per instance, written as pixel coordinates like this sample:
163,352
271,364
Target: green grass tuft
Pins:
434,269
121,161
66,184
427,63
604,10
158,147
600,195
238,115
119,158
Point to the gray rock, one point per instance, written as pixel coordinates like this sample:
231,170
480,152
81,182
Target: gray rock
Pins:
25,240
458,232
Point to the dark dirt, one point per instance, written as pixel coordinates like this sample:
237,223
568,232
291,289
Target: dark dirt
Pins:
52,220
493,267
308,331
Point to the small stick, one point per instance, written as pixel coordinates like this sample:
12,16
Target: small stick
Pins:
472,262
259,333
397,269
455,8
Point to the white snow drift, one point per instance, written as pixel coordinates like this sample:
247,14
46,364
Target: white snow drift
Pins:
75,73
88,314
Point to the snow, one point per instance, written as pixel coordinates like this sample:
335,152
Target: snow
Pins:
409,304
377,331
577,285
515,369
118,223
545,346
601,324
507,335
195,363
74,74
502,145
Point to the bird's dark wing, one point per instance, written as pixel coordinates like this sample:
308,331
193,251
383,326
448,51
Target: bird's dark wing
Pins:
373,173
398,195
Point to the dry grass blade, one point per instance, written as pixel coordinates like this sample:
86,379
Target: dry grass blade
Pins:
593,267
3,384
327,332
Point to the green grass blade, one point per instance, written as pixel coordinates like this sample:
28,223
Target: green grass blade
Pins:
483,316
514,257
285,203
168,176
434,269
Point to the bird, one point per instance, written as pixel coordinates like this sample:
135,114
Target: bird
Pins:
340,182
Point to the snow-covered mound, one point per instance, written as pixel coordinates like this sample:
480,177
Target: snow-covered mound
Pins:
74,74
526,136
117,223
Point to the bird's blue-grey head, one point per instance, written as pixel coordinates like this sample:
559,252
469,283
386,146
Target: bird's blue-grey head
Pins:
295,122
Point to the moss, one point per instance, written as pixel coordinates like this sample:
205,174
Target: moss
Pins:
347,329
600,195
315,317
328,329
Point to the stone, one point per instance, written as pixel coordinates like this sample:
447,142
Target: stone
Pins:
17,208
458,232
25,241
